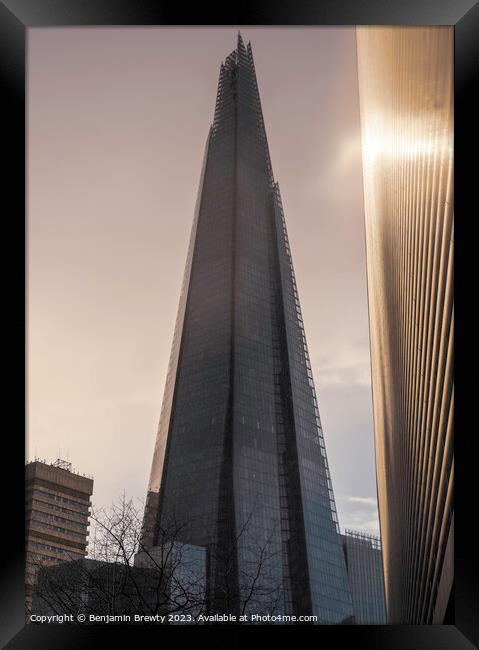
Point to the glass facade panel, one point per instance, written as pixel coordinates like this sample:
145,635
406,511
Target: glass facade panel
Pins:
366,578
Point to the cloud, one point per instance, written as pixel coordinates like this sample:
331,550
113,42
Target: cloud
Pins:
366,500
360,513
348,365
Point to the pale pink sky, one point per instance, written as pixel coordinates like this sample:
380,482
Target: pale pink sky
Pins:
117,122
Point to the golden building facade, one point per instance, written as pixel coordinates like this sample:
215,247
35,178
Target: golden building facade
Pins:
406,103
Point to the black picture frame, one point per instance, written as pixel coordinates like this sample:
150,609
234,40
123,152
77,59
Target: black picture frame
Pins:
16,16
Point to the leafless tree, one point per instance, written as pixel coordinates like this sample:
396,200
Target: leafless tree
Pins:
168,579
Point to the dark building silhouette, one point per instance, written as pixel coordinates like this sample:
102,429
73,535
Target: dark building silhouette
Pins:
406,100
98,588
240,463
364,563
172,586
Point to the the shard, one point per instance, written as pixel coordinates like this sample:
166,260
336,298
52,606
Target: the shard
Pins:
240,463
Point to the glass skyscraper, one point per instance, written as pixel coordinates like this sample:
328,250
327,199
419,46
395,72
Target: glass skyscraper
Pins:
366,577
240,465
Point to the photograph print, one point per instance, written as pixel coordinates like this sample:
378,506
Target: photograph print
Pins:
240,326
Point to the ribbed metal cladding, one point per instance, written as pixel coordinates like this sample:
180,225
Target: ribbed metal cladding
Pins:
405,89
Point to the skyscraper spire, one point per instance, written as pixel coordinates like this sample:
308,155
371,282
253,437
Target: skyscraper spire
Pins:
240,461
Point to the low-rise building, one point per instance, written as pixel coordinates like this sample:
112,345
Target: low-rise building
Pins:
364,564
